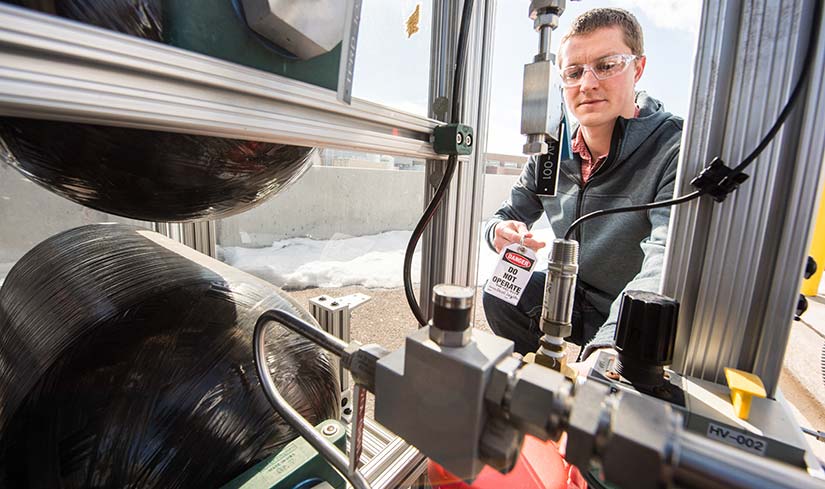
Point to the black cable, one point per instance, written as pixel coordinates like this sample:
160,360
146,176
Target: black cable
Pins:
416,235
654,205
808,61
452,162
813,39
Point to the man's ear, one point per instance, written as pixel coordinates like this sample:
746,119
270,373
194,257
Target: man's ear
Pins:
640,68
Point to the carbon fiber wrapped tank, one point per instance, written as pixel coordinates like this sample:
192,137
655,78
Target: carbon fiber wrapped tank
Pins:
144,174
150,175
126,361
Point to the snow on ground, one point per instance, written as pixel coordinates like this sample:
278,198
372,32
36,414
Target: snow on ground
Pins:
370,261
4,270
296,263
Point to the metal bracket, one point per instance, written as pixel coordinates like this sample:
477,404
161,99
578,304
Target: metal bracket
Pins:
453,139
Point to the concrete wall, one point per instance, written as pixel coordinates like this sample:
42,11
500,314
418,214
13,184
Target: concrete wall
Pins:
330,201
29,214
496,191
325,202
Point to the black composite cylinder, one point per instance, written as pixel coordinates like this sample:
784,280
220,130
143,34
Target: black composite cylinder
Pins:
143,174
150,175
141,18
126,361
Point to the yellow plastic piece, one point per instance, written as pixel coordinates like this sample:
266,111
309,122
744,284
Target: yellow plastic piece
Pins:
743,386
811,286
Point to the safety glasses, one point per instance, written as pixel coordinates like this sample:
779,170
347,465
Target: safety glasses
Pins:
602,69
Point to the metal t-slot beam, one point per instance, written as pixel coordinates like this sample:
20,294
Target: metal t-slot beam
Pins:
199,235
333,315
736,266
51,68
447,257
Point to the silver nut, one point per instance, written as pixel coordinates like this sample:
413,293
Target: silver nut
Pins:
535,148
453,339
588,409
640,429
329,430
362,361
546,19
501,379
539,401
554,328
537,6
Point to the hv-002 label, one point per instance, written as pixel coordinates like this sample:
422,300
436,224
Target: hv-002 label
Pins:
737,439
513,270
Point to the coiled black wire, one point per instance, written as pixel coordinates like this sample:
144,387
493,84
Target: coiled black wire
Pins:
452,162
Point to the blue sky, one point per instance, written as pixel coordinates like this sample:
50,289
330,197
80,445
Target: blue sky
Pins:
393,70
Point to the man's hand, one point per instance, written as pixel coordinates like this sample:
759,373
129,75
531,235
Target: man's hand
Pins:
584,367
508,232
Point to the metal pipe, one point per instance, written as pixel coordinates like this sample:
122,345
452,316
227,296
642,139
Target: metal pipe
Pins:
560,288
545,39
698,462
288,413
323,339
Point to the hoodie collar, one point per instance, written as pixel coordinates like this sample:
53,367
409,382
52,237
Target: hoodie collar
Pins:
633,132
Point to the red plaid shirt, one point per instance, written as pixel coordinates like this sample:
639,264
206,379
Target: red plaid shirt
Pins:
588,165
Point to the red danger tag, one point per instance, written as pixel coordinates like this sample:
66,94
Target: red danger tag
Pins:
513,270
518,260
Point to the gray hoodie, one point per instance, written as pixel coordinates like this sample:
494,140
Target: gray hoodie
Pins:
621,251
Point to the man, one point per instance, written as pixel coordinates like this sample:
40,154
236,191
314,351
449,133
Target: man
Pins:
625,153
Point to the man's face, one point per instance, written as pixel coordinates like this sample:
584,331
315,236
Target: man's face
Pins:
597,102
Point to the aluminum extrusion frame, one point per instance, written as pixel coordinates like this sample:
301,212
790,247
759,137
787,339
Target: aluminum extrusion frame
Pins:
53,68
736,266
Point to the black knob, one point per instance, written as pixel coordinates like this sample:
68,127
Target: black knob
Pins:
645,335
646,329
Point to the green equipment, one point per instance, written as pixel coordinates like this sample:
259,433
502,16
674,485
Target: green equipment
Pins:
297,465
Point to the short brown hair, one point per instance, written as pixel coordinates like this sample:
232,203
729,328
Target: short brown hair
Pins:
598,18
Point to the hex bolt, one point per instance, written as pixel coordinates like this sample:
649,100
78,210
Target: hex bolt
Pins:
458,138
468,140
334,304
329,430
322,298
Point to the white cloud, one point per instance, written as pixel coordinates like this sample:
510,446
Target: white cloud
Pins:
668,14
